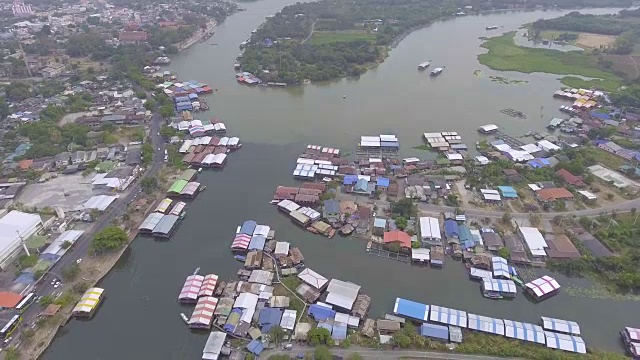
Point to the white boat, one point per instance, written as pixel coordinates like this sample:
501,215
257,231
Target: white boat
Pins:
196,272
493,27
200,170
424,65
436,71
488,129
184,318
326,179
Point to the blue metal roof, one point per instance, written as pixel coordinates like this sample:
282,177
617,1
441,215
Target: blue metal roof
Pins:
381,181
257,242
468,244
412,309
362,184
451,228
332,206
320,313
379,223
486,324
350,179
508,191
269,317
179,99
339,331
434,331
255,347
248,227
464,233
193,96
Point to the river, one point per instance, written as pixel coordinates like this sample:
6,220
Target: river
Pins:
139,319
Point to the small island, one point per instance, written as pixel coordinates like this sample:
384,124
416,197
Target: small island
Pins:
327,40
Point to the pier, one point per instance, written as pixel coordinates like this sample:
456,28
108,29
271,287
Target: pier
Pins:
388,254
509,140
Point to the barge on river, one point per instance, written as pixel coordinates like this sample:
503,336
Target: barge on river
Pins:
424,65
437,71
88,304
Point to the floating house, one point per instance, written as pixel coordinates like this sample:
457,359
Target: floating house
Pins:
150,222
411,309
448,316
631,338
479,274
524,331
420,256
542,288
241,242
342,294
559,325
208,285
166,226
164,205
88,303
178,209
565,342
213,347
202,316
498,288
486,324
500,268
190,289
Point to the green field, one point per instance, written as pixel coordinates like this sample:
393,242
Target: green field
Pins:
329,37
505,55
578,83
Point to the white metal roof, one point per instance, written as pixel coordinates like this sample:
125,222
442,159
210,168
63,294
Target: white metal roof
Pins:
99,202
543,285
588,195
500,267
420,254
559,325
67,236
524,331
448,316
565,342
342,294
430,228
500,285
288,205
479,273
312,278
214,345
282,248
246,300
261,230
535,241
486,324
288,320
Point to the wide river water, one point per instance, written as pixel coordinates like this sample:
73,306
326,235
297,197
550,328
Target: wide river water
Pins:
139,319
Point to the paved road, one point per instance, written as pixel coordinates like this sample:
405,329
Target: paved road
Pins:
381,354
80,249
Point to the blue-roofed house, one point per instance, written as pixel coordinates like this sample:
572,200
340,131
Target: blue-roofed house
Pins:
339,331
269,317
464,233
382,183
433,331
331,210
321,313
451,228
508,192
362,187
255,347
411,309
379,226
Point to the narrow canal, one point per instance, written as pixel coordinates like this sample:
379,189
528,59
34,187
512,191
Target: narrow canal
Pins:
140,317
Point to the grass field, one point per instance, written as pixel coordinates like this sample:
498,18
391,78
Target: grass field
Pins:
329,37
505,55
578,83
606,158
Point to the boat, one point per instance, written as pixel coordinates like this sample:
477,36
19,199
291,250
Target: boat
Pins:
326,179
493,27
200,170
517,281
492,295
184,318
436,71
196,271
332,233
347,229
240,258
202,188
182,215
488,129
424,65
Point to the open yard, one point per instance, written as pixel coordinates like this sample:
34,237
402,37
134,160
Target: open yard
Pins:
328,37
591,41
505,55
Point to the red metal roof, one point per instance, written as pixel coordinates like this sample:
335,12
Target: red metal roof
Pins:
569,178
9,299
397,236
552,194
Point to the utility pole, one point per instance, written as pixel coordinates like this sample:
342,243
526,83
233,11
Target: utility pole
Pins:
24,244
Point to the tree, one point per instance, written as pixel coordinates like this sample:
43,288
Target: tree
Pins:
28,261
167,111
71,272
503,252
12,354
46,300
80,287
322,353
111,238
506,217
66,244
354,356
401,222
4,110
17,91
319,336
404,207
394,247
276,334
534,219
150,104
167,131
149,184
400,339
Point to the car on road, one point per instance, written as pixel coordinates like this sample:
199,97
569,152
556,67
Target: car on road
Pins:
55,286
79,261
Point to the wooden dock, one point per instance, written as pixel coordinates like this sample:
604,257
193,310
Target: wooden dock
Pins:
388,255
509,140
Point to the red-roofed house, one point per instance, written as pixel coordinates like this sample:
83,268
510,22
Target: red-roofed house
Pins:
132,36
570,179
553,194
400,237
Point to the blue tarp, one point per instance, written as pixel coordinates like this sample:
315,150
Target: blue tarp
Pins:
255,347
257,242
434,331
248,227
269,317
350,179
451,228
381,181
412,309
320,313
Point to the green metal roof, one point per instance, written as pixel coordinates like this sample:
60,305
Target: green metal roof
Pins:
178,186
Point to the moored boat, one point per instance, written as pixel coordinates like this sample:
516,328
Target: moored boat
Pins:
240,258
488,129
184,318
424,65
182,215
202,188
493,27
437,71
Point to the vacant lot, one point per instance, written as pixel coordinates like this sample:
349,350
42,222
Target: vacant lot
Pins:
328,37
594,40
627,64
51,193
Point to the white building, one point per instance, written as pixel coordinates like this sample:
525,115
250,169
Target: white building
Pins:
430,229
15,227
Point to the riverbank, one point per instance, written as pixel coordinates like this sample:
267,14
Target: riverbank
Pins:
203,34
504,55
